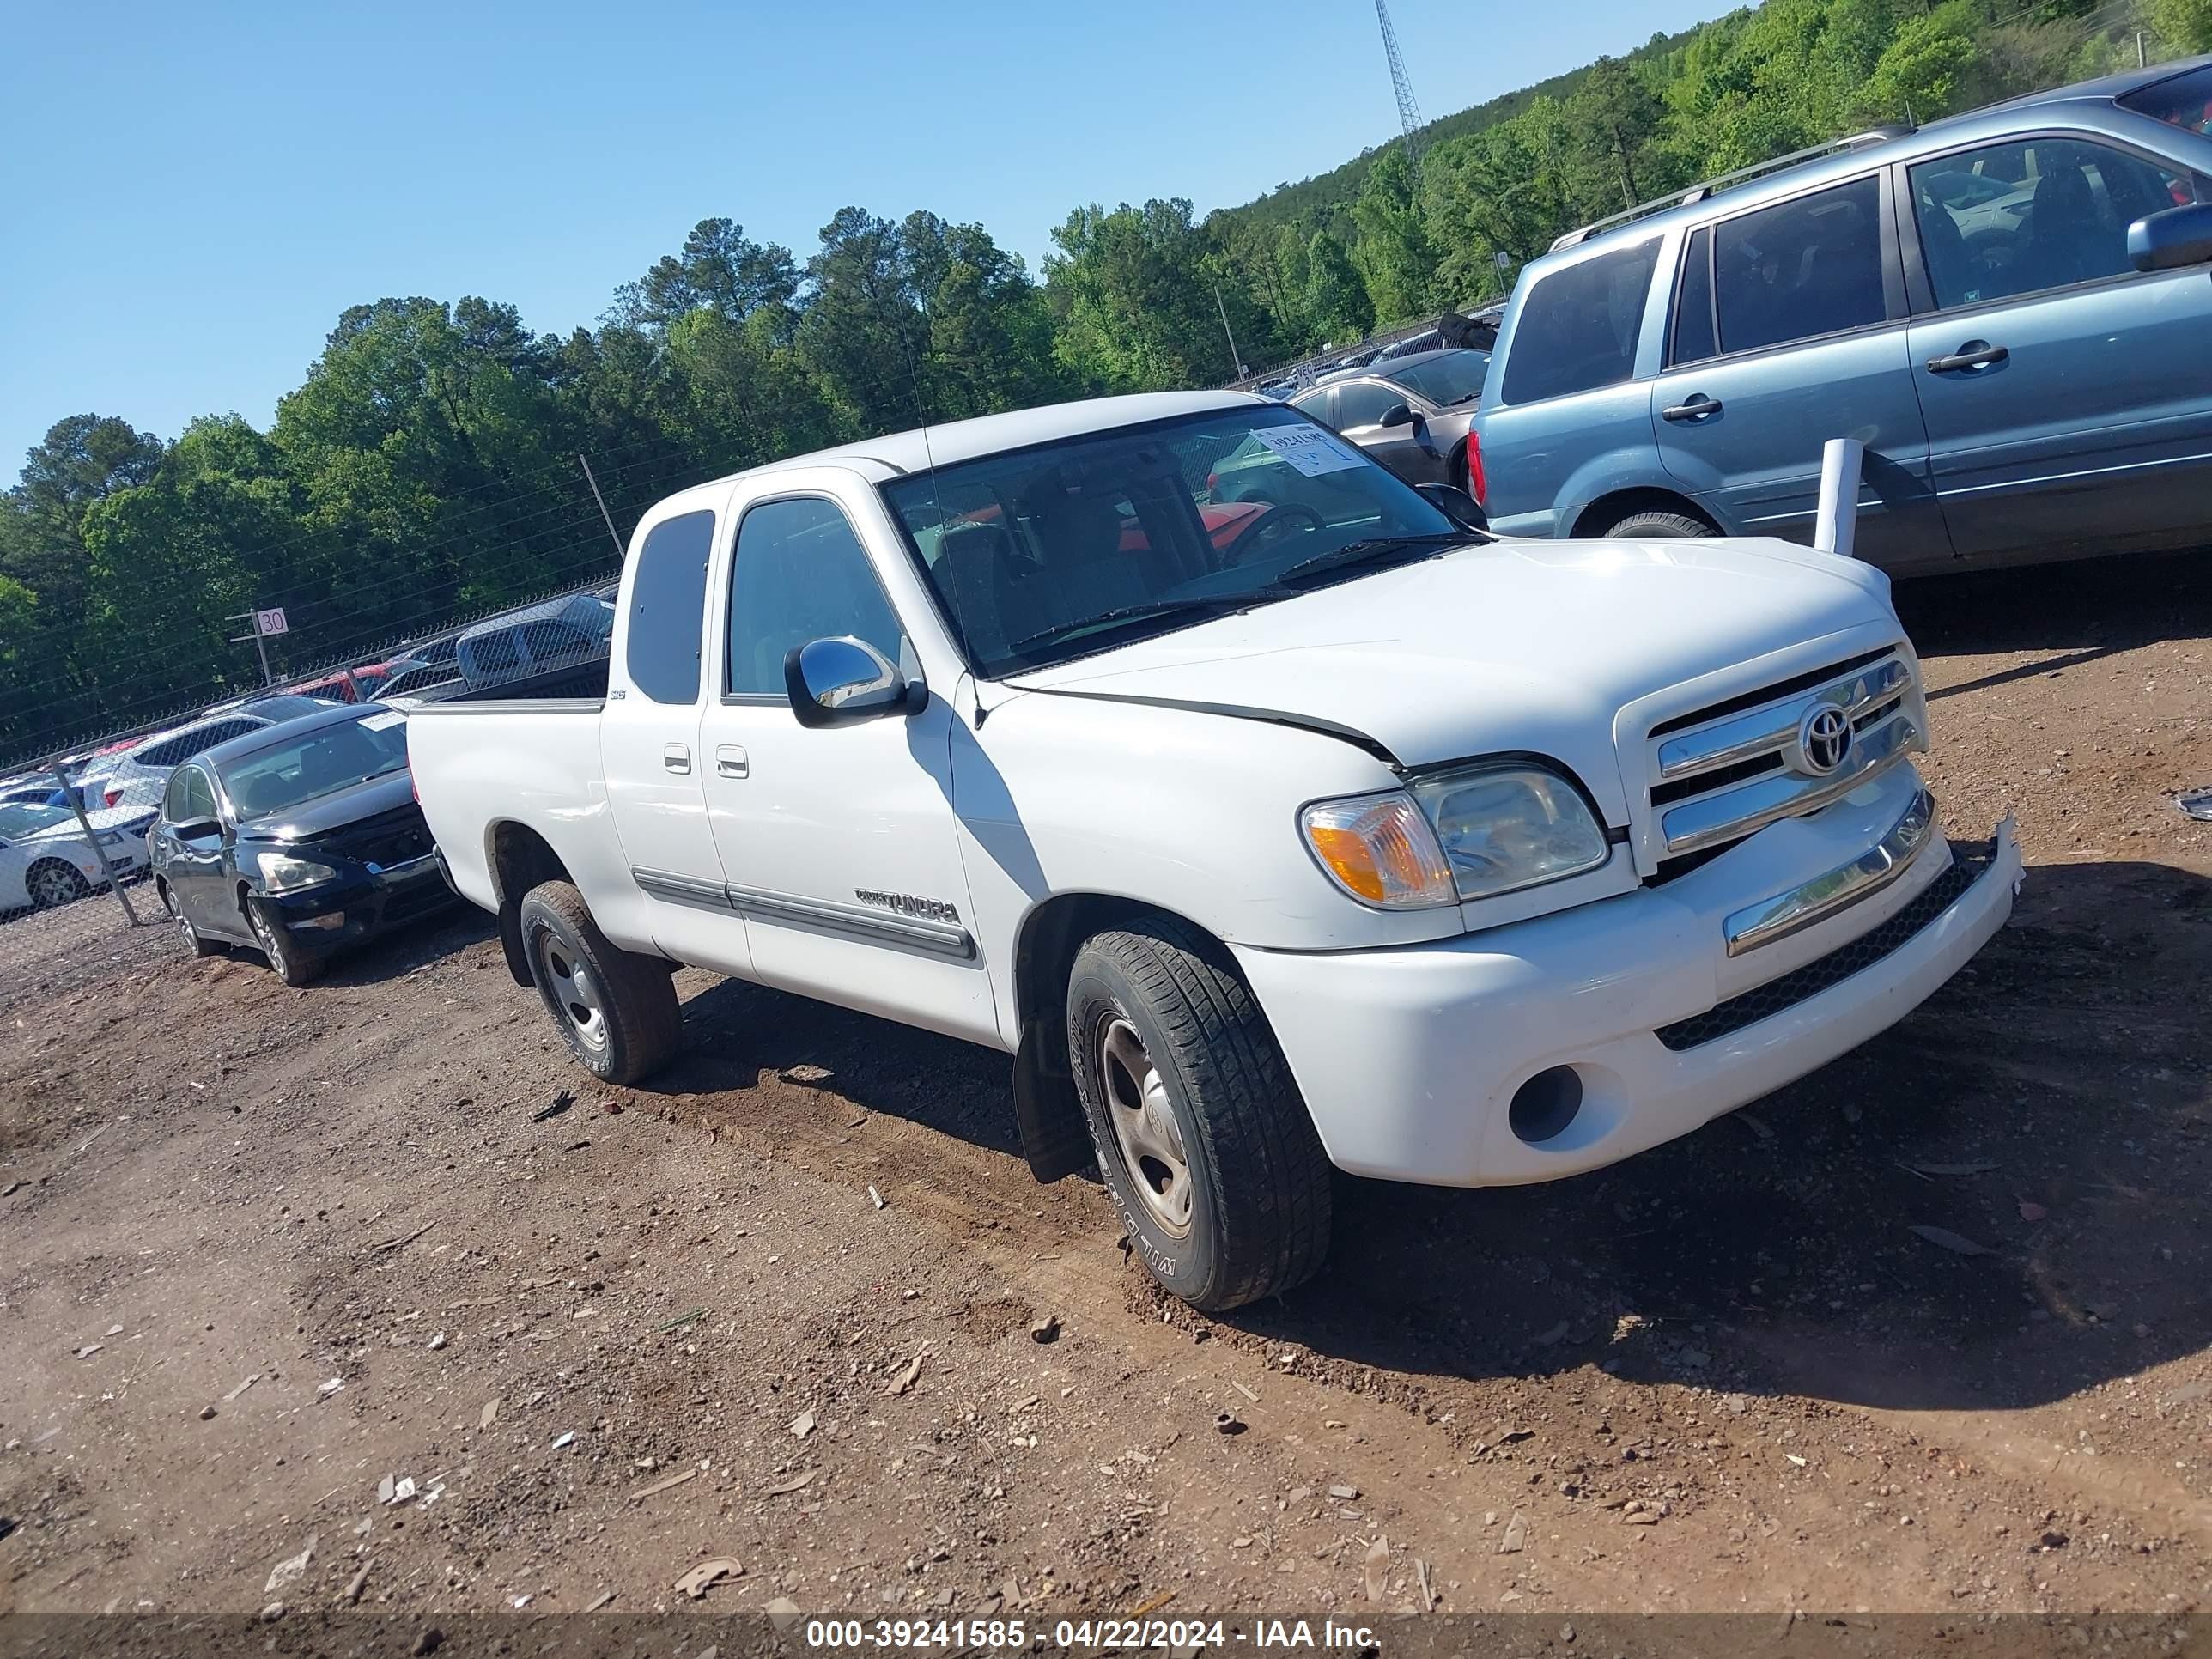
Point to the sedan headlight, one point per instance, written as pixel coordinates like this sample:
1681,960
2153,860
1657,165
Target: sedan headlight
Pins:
111,838
1507,827
1468,834
283,873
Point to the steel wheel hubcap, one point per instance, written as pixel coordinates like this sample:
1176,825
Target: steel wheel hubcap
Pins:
1145,1127
574,990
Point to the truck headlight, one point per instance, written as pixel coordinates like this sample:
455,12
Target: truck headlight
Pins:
1503,827
1379,849
283,873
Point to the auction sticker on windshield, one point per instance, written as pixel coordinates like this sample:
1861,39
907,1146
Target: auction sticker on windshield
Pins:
1310,449
382,722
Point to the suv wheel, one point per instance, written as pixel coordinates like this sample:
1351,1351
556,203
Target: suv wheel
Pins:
1205,1143
616,1009
1653,525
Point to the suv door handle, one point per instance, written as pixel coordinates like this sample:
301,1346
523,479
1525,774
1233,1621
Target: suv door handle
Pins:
731,761
1696,409
1975,354
675,757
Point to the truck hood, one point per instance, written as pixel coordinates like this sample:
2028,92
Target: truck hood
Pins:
1514,646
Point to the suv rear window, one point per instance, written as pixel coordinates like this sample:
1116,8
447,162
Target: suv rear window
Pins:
1578,326
1801,267
2183,101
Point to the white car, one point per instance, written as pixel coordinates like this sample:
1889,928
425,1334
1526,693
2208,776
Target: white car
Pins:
44,860
134,780
1381,843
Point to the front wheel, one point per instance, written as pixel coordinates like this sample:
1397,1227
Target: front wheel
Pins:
294,965
53,884
1206,1148
616,1009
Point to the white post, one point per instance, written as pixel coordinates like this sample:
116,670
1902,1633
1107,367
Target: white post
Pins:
1837,526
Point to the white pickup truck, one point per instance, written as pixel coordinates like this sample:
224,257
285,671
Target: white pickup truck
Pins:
1312,827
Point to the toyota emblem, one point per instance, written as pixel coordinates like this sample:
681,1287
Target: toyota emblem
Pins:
1824,741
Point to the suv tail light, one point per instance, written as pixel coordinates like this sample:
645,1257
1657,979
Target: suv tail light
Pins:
111,797
1477,485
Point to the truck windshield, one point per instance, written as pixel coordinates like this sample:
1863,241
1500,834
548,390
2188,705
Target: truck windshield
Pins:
303,765
1050,552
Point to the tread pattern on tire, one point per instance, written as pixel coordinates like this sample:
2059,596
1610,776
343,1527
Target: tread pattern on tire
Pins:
640,994
1665,525
1275,1177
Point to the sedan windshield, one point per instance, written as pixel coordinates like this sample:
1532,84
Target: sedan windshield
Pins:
301,766
1051,552
1455,377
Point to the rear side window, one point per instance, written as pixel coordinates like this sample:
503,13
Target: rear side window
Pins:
1578,326
1693,303
496,652
2183,101
668,608
1801,267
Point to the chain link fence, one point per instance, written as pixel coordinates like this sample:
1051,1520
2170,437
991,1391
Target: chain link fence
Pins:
78,875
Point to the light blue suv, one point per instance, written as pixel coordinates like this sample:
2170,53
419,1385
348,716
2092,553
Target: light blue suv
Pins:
2012,308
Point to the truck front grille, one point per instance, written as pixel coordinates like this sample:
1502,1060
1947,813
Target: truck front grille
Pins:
1720,773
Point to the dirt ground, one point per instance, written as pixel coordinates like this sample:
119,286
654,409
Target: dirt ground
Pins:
263,1250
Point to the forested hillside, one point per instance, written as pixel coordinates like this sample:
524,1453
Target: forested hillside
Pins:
426,468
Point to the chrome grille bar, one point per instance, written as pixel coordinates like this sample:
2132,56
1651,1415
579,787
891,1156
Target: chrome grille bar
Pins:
1770,729
1729,814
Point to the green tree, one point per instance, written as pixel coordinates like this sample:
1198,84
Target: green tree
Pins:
720,269
1133,306
1335,296
2183,24
1397,265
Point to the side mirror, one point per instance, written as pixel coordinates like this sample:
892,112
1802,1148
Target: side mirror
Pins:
843,681
1397,415
1456,504
196,828
2175,237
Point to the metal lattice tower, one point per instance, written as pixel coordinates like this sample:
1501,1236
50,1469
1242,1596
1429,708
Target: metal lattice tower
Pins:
1409,112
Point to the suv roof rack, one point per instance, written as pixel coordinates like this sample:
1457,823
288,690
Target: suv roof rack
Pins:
1699,192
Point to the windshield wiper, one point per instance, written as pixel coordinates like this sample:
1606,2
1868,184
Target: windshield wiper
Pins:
1371,550
1212,604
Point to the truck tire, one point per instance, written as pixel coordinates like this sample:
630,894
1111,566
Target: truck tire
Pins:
1654,526
1206,1145
616,1009
294,965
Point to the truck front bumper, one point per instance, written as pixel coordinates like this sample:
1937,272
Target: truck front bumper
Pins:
1410,1058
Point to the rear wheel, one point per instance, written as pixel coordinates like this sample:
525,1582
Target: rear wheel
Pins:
294,965
616,1009
1654,525
54,883
1206,1148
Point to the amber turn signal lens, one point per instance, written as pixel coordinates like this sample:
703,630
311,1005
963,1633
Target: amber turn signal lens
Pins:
1380,849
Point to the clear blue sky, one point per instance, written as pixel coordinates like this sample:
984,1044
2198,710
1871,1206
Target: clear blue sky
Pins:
190,195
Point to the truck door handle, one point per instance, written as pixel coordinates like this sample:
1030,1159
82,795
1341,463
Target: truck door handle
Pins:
1975,354
675,757
731,761
1696,409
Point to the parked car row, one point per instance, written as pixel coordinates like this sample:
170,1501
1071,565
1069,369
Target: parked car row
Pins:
2010,308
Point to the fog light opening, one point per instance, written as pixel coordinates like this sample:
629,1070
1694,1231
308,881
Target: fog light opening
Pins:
334,919
1546,1105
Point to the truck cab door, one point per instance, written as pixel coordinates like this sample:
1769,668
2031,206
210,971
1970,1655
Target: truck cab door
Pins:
839,843
649,745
